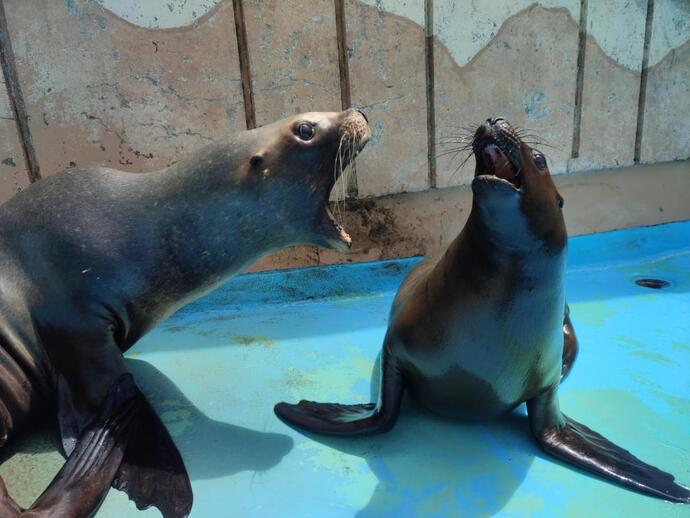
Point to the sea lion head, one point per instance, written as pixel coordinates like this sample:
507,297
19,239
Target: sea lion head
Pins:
513,188
294,164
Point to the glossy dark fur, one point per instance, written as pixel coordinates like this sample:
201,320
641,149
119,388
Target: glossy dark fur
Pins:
90,260
481,329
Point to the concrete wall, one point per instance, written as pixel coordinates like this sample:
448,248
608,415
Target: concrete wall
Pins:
136,84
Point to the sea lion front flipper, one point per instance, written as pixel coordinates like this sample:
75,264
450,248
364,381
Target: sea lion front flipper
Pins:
575,443
84,480
152,472
570,346
337,419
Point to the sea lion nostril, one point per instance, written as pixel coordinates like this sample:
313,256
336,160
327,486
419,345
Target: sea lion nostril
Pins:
494,120
363,115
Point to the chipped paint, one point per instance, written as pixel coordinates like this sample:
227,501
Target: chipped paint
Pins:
467,29
159,14
670,28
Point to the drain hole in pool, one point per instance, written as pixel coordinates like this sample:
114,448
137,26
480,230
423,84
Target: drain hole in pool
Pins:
655,284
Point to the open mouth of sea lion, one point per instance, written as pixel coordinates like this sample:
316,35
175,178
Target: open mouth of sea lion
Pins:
355,133
496,147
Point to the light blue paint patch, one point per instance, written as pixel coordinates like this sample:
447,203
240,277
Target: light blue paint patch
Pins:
216,368
534,107
73,8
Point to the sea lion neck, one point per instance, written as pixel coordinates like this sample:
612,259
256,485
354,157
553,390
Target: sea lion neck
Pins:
210,169
501,221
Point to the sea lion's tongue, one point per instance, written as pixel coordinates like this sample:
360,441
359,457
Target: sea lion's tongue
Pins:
498,164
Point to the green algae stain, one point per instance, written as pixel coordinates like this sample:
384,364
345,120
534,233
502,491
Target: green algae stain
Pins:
526,504
246,340
333,379
680,346
30,463
652,356
678,404
592,313
628,341
177,421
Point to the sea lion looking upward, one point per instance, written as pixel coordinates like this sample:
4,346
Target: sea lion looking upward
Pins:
90,260
481,329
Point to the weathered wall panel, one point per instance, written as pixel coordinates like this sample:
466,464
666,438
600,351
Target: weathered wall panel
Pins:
293,54
13,172
138,84
387,77
524,70
100,90
613,60
667,104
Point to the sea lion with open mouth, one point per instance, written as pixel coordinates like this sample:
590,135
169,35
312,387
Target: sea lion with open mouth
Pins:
90,260
481,329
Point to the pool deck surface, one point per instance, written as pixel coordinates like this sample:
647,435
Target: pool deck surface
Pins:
217,367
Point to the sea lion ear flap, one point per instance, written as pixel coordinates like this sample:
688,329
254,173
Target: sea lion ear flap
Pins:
257,164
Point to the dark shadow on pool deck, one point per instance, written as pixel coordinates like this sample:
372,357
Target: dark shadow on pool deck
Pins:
430,465
210,448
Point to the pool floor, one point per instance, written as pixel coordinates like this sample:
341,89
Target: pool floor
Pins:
216,368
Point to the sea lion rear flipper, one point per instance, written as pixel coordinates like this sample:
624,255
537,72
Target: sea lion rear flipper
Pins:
152,472
575,443
84,480
337,419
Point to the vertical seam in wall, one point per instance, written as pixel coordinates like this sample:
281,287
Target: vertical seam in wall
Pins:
14,93
430,97
352,187
245,70
343,65
644,71
580,79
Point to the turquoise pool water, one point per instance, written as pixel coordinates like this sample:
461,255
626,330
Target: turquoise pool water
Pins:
215,369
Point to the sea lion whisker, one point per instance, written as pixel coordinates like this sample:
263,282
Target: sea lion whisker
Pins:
443,140
461,165
451,150
340,171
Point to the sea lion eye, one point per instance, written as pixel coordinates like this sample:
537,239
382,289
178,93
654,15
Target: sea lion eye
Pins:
305,131
539,161
560,202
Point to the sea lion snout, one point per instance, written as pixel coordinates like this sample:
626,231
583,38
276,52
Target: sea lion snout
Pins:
355,129
496,146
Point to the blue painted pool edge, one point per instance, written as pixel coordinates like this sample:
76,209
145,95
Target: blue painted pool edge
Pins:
367,278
